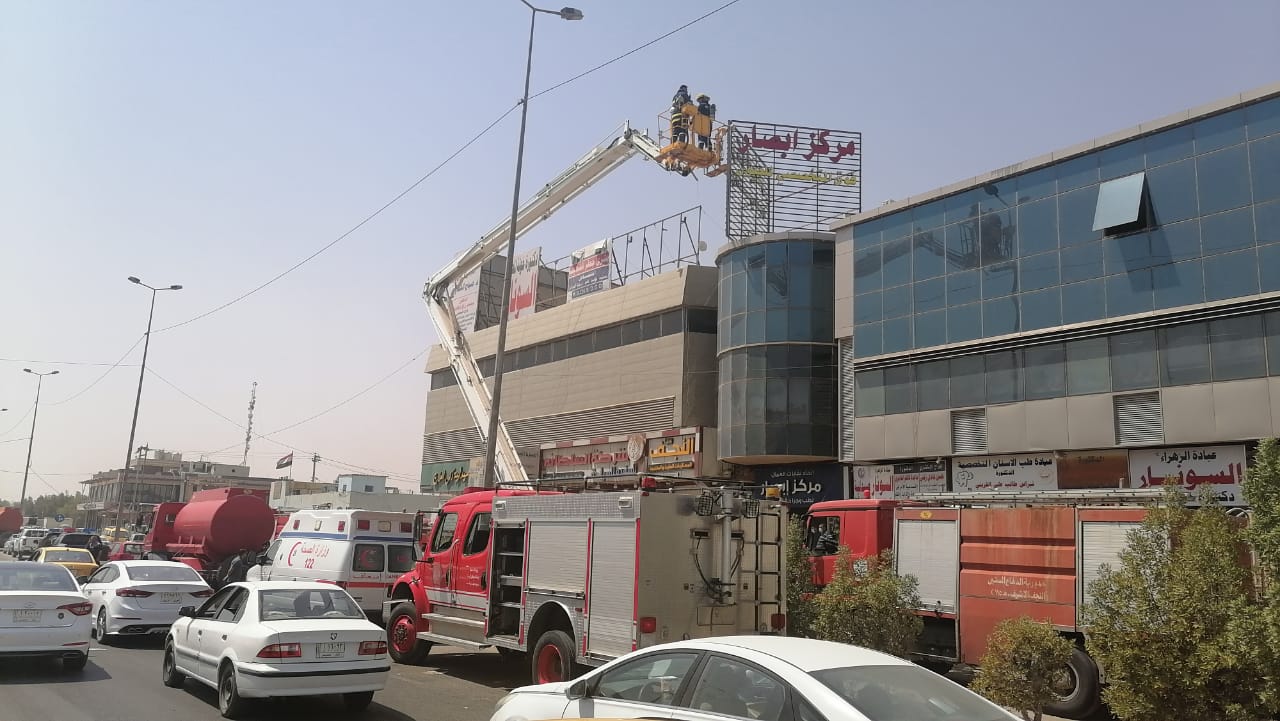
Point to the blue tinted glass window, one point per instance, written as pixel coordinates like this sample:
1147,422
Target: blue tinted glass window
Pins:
1169,145
1119,201
868,393
1273,342
1178,284
962,287
1075,216
897,301
866,270
1000,316
1129,293
800,324
963,205
1037,184
964,323
1238,348
754,279
867,308
929,256
1223,179
755,327
930,295
737,330
1078,172
775,325
897,262
998,195
1172,190
1120,160
998,280
1180,241
1038,226
1231,275
1184,354
800,283
868,340
1004,376
1083,302
1266,223
1041,309
1084,262
1264,161
897,225
1263,118
1046,372
997,237
1228,231
929,216
799,253
1128,253
1088,366
1038,271
968,381
1219,131
1269,267
897,335
931,329
931,385
962,246
1133,361
777,286
899,391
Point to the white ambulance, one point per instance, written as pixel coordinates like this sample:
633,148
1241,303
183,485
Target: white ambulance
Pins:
361,551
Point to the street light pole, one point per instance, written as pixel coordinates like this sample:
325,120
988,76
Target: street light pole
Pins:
31,440
491,439
137,401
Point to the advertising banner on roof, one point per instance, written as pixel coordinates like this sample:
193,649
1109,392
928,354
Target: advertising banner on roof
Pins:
524,283
466,300
590,269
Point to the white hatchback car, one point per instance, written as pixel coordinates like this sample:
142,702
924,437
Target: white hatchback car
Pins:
141,597
265,639
759,678
43,614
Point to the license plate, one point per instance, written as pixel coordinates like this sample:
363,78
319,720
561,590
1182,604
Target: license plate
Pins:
27,616
170,597
331,650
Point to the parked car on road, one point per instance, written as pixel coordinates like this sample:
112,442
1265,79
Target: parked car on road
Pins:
77,560
43,614
759,678
125,551
266,639
141,597
24,542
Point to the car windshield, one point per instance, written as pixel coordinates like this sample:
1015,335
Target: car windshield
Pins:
291,604
32,577
68,557
162,573
132,547
907,693
74,539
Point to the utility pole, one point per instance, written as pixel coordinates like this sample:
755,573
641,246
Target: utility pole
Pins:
315,458
138,469
31,439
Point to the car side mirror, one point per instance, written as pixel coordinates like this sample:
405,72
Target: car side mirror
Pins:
577,690
187,612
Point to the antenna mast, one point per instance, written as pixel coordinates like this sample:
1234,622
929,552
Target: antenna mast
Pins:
248,431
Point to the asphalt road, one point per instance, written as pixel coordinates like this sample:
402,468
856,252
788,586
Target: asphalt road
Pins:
122,683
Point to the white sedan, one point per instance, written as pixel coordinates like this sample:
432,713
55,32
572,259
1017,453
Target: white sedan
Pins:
141,597
264,639
43,614
760,678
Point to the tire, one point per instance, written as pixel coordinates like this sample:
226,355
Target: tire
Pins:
1082,693
230,704
553,657
402,636
169,674
100,627
75,664
357,702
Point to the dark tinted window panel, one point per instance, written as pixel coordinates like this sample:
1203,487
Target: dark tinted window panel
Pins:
1172,192
525,358
899,391
929,254
579,345
755,327
1038,226
1129,293
800,359
1273,341
1084,262
1177,242
702,320
1046,372
509,362
756,288
824,356
868,340
775,400
777,286
931,329
1077,172
1169,145
1075,216
1219,131
929,216
998,237
1037,184
963,205
897,225
867,234
931,385
1133,361
1184,354
1082,302
1128,253
962,246
930,295
800,324
801,285
542,354
632,332
1000,316
1178,284
1088,366
1038,271
1120,160
1041,309
897,262
559,350
1264,162
964,323
1225,232
999,280
998,195
868,308
897,301
1223,179
672,322
963,287
1269,267
775,325
651,327
897,335
1266,222
1263,118
868,393
1231,275
756,361
486,366
1004,376
1238,347
607,338
824,255
777,360
968,381
867,275
800,402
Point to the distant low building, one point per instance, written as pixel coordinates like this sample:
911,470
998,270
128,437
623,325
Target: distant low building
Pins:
349,491
358,483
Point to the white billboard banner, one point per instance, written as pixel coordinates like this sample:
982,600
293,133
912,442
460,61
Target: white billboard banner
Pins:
589,269
1020,472
524,283
1220,468
900,480
465,299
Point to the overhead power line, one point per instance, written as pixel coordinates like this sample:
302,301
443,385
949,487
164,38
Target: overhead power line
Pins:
368,388
98,380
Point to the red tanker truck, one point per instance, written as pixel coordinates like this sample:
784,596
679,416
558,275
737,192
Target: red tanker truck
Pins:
10,522
212,530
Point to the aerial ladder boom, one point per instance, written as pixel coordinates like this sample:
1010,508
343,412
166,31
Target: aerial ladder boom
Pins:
602,160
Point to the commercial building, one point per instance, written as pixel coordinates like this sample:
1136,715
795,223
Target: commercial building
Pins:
361,483
1104,315
288,496
637,360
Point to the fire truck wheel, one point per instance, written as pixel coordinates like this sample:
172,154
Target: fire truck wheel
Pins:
1078,692
402,636
553,657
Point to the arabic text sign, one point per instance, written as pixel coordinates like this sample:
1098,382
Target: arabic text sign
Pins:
465,299
805,485
900,480
1023,472
673,455
524,284
1221,468
602,459
589,270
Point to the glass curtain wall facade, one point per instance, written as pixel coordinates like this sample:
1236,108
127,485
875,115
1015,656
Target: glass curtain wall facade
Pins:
777,356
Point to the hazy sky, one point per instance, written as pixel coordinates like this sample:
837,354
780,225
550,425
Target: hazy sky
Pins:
217,144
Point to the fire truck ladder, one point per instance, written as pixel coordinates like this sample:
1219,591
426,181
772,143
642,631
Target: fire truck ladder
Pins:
587,171
770,534
1082,497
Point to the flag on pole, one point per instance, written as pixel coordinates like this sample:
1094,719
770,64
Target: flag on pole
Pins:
285,462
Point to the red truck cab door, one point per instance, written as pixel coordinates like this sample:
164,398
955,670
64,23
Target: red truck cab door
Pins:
863,527
471,561
439,555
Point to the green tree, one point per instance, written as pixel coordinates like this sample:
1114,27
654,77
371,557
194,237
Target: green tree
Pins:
1260,633
801,589
1167,624
1023,660
868,604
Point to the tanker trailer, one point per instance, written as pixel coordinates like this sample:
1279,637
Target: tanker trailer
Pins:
212,530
